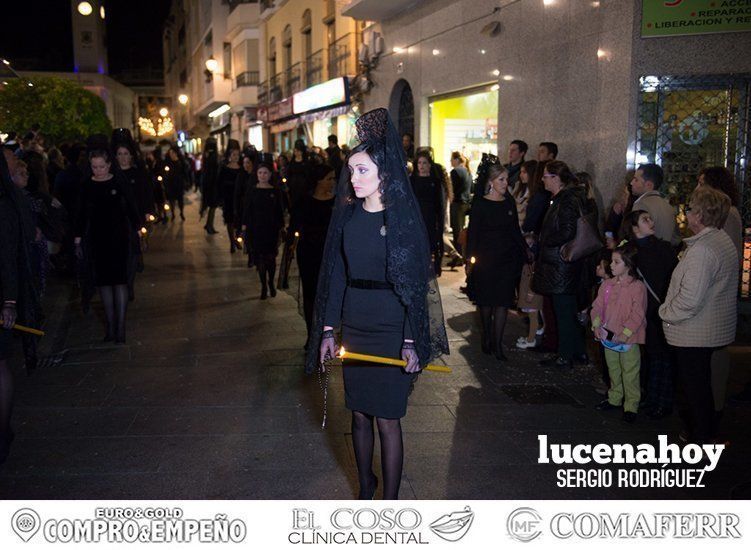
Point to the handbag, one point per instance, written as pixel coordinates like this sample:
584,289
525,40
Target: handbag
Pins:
586,241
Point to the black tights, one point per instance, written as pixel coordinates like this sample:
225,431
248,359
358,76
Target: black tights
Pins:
115,300
392,454
493,320
266,273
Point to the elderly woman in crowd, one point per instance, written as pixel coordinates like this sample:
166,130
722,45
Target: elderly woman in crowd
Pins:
721,179
699,313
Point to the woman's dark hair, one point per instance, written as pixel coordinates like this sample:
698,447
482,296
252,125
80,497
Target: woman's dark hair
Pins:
561,170
100,154
423,153
376,150
720,178
232,145
320,171
266,165
535,181
530,167
585,180
605,255
630,221
628,253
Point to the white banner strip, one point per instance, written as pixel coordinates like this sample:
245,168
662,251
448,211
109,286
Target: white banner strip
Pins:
274,525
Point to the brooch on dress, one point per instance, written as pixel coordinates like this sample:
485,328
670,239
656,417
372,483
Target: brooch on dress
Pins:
383,231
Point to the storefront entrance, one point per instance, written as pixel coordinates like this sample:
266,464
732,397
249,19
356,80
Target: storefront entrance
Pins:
466,122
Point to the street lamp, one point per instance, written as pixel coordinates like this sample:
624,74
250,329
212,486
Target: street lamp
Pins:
84,8
183,99
163,112
212,64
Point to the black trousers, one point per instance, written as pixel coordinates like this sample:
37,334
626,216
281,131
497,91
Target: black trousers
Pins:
694,367
570,332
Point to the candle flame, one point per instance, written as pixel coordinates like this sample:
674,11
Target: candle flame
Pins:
159,178
472,260
144,231
166,206
341,352
166,168
239,240
297,233
151,217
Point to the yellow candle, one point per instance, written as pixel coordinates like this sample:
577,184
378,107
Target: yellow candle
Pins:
343,354
28,329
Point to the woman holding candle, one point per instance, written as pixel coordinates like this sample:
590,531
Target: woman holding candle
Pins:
107,219
378,285
262,221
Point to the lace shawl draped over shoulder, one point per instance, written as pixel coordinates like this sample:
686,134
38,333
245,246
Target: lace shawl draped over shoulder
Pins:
408,260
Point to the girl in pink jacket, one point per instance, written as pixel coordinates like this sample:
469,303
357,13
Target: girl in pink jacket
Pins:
619,323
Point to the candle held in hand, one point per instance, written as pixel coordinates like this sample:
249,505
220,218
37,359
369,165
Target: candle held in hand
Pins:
344,354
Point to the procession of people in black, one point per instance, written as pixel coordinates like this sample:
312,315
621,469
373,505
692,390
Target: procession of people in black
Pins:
85,209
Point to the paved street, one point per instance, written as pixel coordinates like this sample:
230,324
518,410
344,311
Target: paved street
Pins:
208,400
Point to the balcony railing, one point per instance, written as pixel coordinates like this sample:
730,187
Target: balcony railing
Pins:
263,93
293,79
276,90
248,78
314,69
341,58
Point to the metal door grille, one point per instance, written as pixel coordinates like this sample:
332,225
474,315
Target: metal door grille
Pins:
691,122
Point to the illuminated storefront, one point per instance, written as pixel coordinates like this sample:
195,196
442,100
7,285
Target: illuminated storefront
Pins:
466,122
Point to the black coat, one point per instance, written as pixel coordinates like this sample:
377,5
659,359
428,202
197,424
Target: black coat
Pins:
552,274
656,261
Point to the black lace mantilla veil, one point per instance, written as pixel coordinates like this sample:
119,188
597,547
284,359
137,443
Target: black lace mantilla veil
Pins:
408,261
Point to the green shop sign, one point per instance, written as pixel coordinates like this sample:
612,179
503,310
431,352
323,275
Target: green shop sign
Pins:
680,17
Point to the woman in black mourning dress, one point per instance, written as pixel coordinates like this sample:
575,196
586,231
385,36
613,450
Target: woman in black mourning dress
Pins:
311,222
263,219
378,285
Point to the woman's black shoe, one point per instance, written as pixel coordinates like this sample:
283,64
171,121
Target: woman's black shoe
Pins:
272,291
485,345
556,361
263,293
659,412
366,494
606,405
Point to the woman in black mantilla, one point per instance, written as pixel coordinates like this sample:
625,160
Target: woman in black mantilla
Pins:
19,300
262,222
377,284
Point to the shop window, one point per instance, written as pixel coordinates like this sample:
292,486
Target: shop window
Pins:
689,123
467,123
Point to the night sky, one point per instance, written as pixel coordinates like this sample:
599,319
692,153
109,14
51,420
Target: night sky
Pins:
36,34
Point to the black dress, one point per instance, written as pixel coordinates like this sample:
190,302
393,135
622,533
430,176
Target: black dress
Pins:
174,180
311,220
373,321
432,200
227,180
142,190
107,222
495,241
264,219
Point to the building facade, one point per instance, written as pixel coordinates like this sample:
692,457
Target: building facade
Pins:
309,58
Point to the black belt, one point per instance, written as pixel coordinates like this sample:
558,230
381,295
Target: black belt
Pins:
369,285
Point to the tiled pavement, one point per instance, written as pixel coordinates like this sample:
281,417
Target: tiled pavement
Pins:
208,400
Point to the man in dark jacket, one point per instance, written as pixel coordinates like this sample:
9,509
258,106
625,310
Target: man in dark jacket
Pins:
334,154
